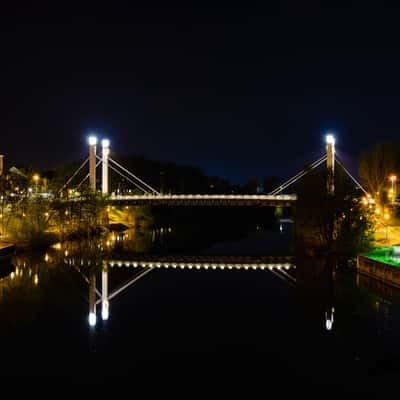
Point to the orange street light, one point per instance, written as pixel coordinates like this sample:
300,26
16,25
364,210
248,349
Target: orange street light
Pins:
36,178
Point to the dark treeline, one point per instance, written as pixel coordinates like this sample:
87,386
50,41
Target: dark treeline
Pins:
169,177
165,177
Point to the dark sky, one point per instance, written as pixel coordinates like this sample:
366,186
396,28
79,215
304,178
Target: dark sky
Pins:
238,91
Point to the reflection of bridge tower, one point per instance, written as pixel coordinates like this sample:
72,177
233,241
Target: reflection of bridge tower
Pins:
92,300
104,292
93,293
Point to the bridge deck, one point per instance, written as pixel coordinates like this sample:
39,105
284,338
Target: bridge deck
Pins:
206,200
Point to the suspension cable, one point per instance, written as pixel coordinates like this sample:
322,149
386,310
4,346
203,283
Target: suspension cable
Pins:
300,175
73,175
87,176
351,176
315,163
128,179
124,176
126,285
134,176
282,277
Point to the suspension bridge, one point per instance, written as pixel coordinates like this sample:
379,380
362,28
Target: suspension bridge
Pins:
282,267
150,196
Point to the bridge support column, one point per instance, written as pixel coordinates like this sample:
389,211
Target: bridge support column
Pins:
330,164
105,178
92,300
104,293
92,162
1,164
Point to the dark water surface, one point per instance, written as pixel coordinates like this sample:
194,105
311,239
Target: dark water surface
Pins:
198,323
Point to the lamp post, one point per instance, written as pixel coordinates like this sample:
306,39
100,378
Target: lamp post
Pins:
387,216
36,178
393,180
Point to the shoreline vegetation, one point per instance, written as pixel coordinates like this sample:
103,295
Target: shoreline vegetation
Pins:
36,224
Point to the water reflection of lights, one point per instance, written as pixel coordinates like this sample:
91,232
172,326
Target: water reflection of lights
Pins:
105,311
329,319
254,266
92,319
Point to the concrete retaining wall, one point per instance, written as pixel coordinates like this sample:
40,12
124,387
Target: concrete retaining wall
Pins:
385,273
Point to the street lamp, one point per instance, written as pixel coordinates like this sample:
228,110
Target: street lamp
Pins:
393,180
36,178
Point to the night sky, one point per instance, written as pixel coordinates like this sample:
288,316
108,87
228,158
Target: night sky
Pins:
246,91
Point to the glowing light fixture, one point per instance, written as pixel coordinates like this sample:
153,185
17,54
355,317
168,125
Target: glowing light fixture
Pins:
92,319
92,140
105,143
330,139
105,310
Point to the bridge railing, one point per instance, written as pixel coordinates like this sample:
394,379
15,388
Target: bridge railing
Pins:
286,197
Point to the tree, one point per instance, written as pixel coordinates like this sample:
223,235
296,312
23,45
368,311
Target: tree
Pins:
270,183
251,186
375,167
338,223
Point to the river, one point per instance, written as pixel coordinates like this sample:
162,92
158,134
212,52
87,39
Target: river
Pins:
258,316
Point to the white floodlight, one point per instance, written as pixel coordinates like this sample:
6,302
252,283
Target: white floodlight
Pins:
330,139
92,140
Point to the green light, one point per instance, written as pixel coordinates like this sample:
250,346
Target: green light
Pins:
383,255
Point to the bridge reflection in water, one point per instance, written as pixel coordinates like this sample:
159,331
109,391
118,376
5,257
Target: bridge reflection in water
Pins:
282,267
26,271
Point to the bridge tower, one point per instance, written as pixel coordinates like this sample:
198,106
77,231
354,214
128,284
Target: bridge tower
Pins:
105,178
92,162
330,163
1,164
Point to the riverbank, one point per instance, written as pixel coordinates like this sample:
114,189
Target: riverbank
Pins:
47,239
387,235
6,251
